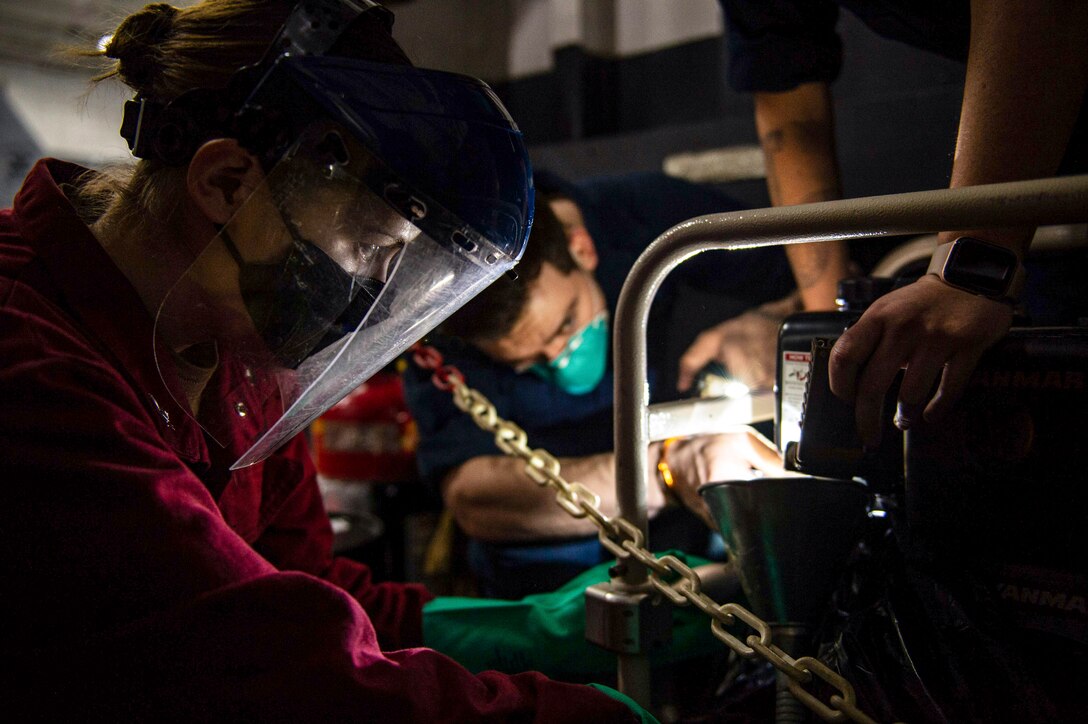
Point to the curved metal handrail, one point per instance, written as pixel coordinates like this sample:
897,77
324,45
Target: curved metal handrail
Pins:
1020,203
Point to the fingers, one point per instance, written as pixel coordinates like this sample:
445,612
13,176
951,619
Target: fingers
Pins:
746,345
934,331
695,461
862,365
752,364
850,353
872,387
734,455
762,454
703,350
687,464
957,373
922,373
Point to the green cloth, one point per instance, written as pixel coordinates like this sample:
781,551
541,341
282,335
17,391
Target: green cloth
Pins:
644,716
546,632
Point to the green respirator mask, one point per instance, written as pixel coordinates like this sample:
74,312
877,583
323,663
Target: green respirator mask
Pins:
579,368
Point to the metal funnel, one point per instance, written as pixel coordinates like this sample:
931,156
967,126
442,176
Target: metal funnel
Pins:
789,538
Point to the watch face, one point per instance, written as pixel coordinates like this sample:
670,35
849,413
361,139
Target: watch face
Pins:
980,267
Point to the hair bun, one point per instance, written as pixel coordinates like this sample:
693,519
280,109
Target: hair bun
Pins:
135,44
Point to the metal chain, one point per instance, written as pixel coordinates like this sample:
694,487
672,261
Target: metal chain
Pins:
625,541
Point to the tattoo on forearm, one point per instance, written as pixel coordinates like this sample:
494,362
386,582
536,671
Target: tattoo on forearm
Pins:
799,142
811,136
774,140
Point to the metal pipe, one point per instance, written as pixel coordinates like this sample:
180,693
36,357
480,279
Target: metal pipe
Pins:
704,415
1019,203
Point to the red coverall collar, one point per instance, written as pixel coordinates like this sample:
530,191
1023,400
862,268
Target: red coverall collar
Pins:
100,296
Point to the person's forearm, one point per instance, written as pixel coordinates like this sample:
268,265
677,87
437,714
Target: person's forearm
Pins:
796,132
1026,76
492,498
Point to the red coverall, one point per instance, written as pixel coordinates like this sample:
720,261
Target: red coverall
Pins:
142,579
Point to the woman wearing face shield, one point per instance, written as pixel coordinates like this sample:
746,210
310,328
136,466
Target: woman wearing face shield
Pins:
303,207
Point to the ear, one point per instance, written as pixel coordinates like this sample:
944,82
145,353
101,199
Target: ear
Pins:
582,248
221,177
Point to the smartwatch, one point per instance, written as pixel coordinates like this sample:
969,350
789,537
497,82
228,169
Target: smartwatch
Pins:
979,267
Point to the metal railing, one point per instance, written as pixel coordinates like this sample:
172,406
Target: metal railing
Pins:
1022,203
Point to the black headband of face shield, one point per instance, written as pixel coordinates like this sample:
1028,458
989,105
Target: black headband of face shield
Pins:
171,132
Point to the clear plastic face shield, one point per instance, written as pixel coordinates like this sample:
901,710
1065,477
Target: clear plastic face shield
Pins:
408,197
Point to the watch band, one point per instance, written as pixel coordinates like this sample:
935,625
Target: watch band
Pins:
979,267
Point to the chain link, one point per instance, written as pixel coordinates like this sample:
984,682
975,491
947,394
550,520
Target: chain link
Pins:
625,540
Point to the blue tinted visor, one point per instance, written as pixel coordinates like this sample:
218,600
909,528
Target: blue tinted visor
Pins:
443,139
390,197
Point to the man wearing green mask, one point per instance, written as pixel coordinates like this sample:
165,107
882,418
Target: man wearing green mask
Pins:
539,348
